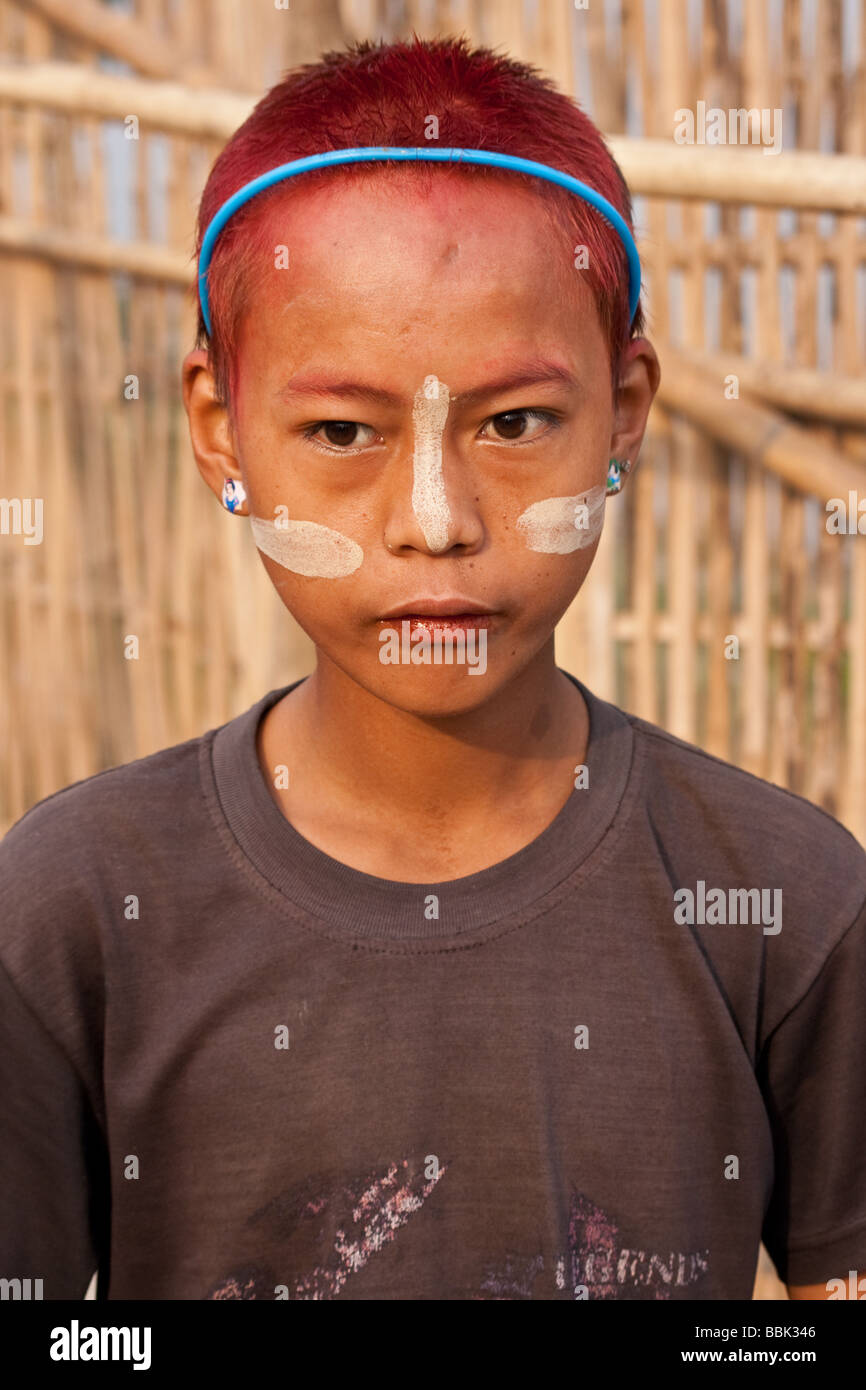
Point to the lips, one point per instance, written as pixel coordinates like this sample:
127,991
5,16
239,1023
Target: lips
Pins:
450,608
454,622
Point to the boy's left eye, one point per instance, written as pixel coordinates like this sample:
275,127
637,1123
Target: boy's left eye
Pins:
341,435
508,419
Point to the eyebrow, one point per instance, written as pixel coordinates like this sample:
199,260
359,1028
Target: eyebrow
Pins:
538,372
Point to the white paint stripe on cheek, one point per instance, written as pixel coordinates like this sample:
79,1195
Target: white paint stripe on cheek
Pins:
558,525
429,502
304,547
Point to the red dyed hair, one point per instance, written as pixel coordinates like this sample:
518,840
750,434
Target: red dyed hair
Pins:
382,94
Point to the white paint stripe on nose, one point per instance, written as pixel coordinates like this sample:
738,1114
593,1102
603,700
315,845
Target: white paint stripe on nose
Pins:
429,501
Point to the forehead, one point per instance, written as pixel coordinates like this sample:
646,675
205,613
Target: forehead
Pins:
382,263
421,203
384,227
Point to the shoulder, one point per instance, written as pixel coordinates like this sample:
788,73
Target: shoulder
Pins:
715,818
69,863
67,868
83,817
721,793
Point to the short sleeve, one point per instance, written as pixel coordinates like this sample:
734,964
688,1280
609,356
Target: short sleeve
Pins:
53,1169
812,1072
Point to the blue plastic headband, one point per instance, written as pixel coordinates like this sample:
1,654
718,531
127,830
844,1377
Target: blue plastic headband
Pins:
382,152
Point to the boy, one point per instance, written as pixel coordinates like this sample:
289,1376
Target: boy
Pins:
420,979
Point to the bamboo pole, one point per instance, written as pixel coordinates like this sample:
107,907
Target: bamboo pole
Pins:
800,390
169,106
682,584
792,178
826,774
644,701
65,246
791,698
177,685
763,435
754,624
855,715
110,31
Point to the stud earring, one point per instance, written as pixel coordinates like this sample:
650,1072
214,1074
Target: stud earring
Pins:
615,470
234,495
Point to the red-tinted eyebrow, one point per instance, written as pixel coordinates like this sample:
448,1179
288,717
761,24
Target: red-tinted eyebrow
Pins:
535,373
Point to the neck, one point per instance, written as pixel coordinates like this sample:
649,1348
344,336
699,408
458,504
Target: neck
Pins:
521,742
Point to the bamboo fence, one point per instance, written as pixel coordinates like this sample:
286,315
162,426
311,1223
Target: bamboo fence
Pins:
754,266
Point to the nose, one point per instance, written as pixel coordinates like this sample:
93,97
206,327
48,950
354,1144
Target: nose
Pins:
439,516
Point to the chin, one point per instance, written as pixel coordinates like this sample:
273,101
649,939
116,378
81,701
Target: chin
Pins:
433,693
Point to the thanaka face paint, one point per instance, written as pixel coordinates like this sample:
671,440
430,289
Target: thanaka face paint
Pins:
305,547
429,501
559,525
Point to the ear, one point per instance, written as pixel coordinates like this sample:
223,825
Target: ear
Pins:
210,428
639,381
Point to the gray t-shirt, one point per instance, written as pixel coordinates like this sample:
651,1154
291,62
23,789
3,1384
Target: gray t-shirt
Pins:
234,1067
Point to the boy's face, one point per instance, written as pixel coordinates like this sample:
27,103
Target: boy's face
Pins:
456,486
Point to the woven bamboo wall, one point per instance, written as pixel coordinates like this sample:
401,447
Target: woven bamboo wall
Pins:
705,542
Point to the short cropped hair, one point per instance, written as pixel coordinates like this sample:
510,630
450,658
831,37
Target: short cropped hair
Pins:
376,93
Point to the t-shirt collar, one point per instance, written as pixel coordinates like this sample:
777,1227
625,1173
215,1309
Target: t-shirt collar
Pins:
360,904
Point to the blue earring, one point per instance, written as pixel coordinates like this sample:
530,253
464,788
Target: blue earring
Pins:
615,469
234,495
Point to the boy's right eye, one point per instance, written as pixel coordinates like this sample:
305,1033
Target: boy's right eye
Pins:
339,434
